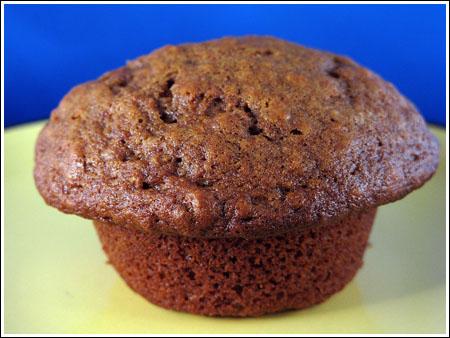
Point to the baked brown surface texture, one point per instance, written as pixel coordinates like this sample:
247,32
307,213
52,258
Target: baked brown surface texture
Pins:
236,276
238,137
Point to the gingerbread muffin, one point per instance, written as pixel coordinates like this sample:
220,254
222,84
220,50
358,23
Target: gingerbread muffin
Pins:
235,177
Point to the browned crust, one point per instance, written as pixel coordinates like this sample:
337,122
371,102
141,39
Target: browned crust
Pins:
238,277
246,137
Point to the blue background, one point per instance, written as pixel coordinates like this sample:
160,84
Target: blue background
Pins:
50,48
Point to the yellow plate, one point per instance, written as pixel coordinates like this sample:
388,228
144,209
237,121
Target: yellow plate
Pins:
57,279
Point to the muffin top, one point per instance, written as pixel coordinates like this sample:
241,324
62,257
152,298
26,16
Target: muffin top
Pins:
237,137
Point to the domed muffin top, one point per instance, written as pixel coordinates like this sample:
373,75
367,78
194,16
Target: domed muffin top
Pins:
237,137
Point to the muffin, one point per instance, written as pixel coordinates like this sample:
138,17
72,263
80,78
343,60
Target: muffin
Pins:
235,177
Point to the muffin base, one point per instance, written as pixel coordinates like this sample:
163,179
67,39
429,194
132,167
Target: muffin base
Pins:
235,276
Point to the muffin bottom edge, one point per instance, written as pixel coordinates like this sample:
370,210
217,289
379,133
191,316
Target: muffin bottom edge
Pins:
236,277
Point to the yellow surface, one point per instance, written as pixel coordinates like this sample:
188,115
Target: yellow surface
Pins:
57,279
